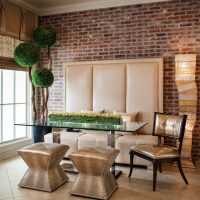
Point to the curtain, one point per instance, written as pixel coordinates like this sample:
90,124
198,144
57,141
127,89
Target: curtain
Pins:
17,22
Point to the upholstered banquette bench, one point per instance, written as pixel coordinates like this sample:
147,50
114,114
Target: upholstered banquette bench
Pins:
89,138
127,86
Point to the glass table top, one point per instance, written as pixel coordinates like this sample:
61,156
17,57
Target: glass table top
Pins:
125,127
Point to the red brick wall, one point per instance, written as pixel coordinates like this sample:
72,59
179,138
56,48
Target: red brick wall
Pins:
138,31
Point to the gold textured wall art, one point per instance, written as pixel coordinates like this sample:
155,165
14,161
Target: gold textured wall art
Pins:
187,91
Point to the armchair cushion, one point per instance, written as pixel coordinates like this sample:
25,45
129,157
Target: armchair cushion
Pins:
155,151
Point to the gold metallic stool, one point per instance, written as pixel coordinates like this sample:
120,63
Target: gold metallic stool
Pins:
43,160
94,179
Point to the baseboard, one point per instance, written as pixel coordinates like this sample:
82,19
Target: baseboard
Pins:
10,149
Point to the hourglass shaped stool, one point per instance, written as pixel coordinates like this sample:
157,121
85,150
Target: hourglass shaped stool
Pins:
94,179
44,172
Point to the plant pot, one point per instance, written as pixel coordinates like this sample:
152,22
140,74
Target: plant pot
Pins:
39,132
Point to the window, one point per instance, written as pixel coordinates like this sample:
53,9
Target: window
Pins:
14,95
14,104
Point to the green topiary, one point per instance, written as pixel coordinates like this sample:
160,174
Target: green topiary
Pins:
27,54
42,77
44,36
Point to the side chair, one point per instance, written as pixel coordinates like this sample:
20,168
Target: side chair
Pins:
166,126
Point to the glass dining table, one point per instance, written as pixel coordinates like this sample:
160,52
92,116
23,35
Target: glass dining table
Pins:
43,126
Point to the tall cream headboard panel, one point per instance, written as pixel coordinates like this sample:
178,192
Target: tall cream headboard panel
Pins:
142,93
79,88
109,87
128,85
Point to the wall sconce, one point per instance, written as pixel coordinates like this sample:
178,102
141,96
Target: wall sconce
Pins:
187,92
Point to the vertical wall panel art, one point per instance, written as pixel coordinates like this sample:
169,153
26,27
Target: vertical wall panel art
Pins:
187,90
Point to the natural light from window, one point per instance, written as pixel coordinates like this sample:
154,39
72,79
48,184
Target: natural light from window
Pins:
14,104
14,95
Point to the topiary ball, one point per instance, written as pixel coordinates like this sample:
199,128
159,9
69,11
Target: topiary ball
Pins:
27,54
44,36
42,77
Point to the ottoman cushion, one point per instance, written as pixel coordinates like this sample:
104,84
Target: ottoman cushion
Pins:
95,153
44,148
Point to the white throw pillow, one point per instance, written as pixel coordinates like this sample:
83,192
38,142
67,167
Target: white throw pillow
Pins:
128,117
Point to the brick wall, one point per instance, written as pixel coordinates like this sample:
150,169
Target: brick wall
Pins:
138,31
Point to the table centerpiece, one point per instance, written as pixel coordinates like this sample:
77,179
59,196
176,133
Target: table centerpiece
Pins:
98,118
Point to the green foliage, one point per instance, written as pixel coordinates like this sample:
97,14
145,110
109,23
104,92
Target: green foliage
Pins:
104,118
44,36
42,77
27,54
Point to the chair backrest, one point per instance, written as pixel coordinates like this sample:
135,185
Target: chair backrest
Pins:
169,126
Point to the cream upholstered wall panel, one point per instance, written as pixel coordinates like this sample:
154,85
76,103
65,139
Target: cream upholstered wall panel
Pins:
78,88
143,91
109,87
109,67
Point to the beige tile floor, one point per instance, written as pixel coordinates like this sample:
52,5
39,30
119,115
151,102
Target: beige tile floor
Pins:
170,185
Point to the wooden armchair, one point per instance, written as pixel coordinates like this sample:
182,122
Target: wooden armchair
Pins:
164,126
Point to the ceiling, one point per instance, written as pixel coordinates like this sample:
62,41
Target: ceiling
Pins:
54,3
48,7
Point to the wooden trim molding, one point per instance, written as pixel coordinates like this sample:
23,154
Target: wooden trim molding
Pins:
9,63
80,6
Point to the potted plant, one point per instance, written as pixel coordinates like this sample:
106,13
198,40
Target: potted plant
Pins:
27,55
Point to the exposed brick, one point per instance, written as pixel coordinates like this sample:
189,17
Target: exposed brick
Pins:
138,31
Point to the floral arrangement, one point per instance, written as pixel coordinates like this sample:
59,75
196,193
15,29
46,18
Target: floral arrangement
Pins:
100,118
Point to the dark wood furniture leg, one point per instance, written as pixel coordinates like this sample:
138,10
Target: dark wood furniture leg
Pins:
155,169
131,163
181,170
160,167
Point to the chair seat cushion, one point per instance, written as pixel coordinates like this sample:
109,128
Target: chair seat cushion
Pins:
96,153
45,148
155,151
124,143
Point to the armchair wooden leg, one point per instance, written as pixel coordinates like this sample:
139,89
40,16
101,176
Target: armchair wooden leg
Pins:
131,163
160,167
181,170
155,169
